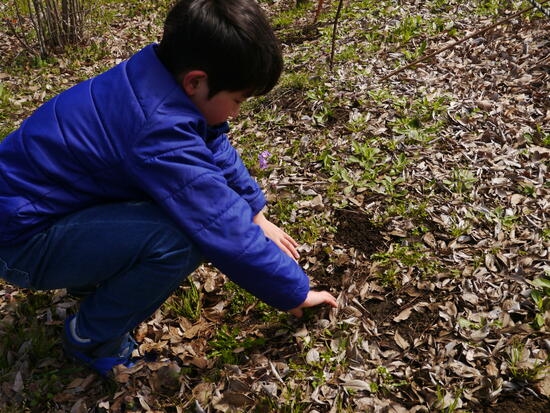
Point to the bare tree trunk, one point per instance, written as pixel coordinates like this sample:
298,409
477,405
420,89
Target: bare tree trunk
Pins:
36,19
54,24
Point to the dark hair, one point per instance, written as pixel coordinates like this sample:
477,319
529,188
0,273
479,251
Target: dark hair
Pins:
231,40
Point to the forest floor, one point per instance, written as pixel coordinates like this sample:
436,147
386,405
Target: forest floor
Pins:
420,200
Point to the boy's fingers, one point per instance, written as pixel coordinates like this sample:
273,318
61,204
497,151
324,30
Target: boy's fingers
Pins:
324,297
293,253
332,302
286,250
292,240
329,299
292,249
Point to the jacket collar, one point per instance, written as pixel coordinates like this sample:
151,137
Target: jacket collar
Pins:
213,132
156,79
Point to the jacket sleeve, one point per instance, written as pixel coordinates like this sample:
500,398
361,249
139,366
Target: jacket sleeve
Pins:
175,167
236,174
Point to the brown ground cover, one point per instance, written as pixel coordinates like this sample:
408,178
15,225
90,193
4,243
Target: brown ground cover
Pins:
421,202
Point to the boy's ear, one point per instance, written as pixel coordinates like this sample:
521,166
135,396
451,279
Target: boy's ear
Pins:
193,81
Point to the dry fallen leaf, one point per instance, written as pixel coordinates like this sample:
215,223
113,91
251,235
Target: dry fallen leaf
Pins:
403,315
312,356
401,342
18,384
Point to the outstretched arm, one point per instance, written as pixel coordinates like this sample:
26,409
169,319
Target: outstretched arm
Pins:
286,243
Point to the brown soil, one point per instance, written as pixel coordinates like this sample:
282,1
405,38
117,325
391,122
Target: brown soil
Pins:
520,404
384,311
338,115
355,229
417,324
379,311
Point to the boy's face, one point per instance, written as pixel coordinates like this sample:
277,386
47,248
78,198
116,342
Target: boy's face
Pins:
218,108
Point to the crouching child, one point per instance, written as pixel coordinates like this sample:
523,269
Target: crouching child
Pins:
120,186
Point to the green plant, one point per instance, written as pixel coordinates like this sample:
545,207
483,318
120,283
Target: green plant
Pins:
380,95
4,95
417,52
420,119
540,136
488,7
4,109
439,5
444,406
439,24
239,299
386,382
408,28
459,226
38,339
400,259
283,210
295,81
32,343
327,159
522,368
291,400
541,297
399,164
323,114
270,118
185,302
358,121
390,186
461,180
351,53
366,155
503,217
528,189
230,348
471,325
156,9
373,38
289,17
368,167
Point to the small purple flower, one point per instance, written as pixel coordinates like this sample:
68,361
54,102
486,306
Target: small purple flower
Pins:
262,157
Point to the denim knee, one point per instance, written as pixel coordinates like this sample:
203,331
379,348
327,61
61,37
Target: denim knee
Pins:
168,246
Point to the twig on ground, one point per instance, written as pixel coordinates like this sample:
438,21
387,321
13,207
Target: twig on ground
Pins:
336,18
476,33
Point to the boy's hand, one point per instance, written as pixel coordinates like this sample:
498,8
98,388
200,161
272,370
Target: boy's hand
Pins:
284,241
314,298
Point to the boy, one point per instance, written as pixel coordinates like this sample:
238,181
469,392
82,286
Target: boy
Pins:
120,186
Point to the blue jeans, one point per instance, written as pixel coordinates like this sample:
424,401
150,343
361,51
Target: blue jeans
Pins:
131,255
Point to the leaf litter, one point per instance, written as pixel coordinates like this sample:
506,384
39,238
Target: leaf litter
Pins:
431,241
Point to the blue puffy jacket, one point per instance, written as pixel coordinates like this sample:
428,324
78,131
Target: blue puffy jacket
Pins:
132,133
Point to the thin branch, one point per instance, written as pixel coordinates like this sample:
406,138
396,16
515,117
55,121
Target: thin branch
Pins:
336,18
477,33
20,38
540,8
